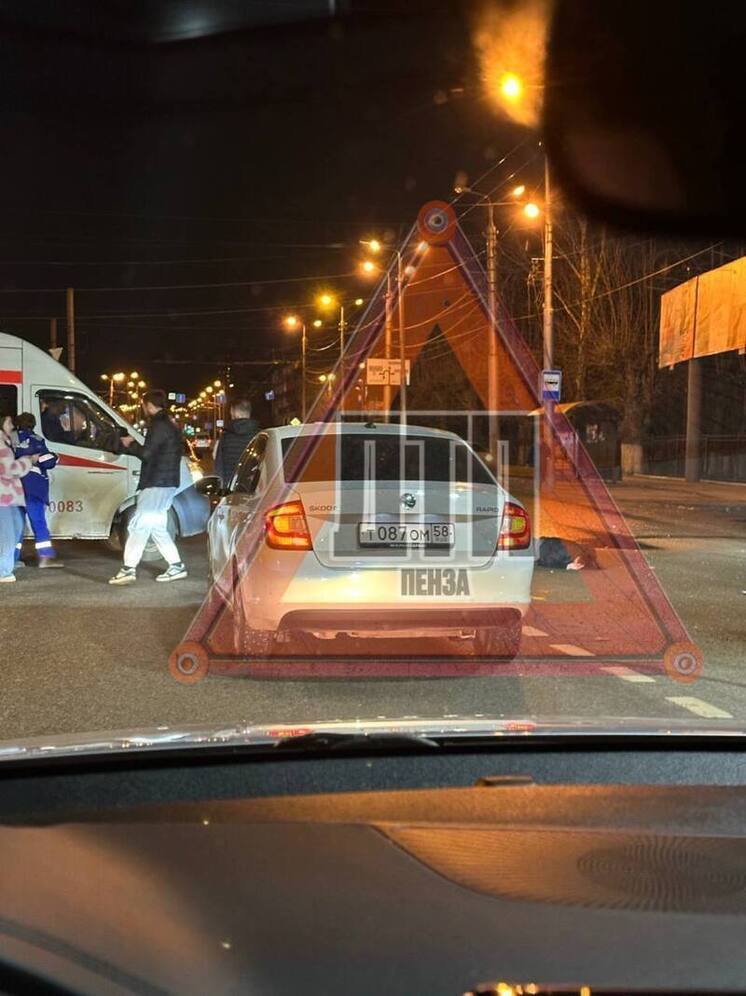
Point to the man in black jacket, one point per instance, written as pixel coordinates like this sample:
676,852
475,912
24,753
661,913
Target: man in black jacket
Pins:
161,455
234,440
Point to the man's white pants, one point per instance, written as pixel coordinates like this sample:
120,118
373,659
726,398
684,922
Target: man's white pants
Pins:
150,519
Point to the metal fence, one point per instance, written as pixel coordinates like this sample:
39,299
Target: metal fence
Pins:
723,457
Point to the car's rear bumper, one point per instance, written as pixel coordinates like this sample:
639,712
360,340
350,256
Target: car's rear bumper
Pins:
410,619
293,591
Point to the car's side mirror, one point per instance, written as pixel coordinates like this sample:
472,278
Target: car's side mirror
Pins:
210,487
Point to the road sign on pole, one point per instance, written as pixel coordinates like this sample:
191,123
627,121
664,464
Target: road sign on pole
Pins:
551,385
380,372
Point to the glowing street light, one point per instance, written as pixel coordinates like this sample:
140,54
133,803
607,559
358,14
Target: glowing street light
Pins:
375,245
209,388
531,210
368,267
134,375
326,300
317,323
518,191
217,383
359,302
511,87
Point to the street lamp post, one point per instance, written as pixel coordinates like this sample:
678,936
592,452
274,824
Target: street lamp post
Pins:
492,351
375,246
548,323
402,344
492,361
294,322
387,337
342,352
111,380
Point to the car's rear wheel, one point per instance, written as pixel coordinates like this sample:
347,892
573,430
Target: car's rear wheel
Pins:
248,642
502,640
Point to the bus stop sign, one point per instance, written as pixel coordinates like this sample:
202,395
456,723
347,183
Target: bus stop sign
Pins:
551,385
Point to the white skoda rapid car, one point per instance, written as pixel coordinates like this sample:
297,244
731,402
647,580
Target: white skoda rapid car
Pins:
359,531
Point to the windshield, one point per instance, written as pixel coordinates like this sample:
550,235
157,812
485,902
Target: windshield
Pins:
416,440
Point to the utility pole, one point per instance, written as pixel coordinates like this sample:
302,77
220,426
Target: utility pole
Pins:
548,325
53,333
402,346
492,372
303,352
387,335
693,467
342,355
71,329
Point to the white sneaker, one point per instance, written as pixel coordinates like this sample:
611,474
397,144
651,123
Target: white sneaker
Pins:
8,579
174,573
126,575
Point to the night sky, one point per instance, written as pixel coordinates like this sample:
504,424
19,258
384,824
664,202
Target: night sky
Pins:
255,159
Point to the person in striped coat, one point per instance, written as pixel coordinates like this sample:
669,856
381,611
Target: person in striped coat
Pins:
12,470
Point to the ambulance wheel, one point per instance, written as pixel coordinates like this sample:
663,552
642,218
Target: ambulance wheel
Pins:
150,553
503,640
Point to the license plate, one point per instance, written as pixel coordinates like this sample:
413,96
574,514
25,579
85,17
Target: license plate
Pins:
406,534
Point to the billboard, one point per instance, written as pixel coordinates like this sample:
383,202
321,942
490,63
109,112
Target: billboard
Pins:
705,315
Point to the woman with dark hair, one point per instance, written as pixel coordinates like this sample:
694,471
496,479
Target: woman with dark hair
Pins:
11,499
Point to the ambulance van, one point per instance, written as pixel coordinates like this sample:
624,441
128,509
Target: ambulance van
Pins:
92,488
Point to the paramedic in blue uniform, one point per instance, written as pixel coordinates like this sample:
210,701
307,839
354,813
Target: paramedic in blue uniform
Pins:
36,488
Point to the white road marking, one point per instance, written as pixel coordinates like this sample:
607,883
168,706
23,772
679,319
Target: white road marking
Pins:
627,674
699,707
571,650
533,631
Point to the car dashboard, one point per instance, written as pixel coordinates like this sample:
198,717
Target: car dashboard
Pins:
225,874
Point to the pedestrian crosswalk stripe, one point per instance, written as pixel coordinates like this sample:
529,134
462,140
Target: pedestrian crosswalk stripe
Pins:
699,707
627,674
571,650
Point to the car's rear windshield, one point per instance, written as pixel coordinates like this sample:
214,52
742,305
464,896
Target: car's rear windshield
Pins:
362,456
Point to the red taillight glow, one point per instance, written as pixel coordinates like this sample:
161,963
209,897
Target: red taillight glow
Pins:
515,531
287,528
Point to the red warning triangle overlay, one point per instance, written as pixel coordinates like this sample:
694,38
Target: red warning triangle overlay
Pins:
613,613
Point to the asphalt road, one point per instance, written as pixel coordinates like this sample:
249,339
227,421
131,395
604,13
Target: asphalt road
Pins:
79,655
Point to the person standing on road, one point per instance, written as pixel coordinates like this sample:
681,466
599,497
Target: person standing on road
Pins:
234,440
36,488
161,456
12,470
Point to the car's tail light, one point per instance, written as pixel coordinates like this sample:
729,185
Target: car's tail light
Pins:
515,531
287,528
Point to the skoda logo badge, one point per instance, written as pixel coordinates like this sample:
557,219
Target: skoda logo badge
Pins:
408,500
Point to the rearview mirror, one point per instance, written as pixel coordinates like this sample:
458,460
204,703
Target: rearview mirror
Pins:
644,112
210,487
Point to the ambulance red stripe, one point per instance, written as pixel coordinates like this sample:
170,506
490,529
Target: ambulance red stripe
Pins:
66,460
